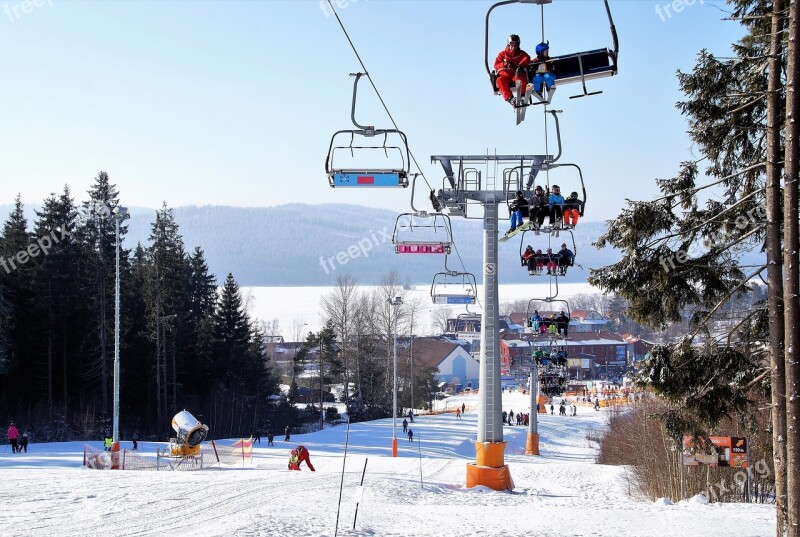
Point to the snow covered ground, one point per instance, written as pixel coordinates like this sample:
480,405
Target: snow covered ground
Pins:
561,493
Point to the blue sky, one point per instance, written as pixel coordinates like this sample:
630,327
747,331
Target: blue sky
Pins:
235,102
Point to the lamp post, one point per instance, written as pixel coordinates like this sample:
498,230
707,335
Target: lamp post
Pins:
120,214
321,388
398,300
411,356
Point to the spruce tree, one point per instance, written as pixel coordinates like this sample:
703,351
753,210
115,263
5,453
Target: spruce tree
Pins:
682,253
17,309
166,299
100,232
60,307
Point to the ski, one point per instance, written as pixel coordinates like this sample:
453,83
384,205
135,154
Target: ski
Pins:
526,100
519,105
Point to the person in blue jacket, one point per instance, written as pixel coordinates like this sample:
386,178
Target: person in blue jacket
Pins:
556,201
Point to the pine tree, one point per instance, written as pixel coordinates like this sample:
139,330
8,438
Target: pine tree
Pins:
17,310
100,232
202,299
137,388
240,361
56,284
166,300
232,329
682,251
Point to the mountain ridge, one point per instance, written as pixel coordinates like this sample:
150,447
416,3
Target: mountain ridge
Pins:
301,244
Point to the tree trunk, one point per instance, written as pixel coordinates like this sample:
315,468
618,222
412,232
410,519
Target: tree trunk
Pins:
64,364
775,267
158,363
50,349
103,364
791,284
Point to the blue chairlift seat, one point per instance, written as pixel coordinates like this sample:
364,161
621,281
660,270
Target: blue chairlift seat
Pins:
368,178
454,288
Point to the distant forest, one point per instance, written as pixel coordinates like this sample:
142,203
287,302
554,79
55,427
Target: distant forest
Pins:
298,244
186,341
185,344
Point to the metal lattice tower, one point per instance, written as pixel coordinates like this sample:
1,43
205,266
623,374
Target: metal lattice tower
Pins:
482,184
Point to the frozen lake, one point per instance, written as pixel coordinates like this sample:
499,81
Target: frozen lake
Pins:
302,304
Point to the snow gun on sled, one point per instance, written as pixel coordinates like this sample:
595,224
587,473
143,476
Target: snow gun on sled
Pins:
189,434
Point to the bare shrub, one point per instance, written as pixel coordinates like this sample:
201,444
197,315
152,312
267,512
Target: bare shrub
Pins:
637,439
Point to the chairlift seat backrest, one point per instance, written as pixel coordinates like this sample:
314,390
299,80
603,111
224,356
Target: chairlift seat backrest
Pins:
454,299
594,63
368,178
567,69
408,247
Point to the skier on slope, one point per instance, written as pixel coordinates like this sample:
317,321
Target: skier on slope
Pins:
298,455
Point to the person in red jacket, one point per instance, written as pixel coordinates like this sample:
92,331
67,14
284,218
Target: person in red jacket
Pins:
510,66
298,455
13,435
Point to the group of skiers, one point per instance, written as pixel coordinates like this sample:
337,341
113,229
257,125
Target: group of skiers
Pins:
522,419
19,442
556,263
552,325
545,204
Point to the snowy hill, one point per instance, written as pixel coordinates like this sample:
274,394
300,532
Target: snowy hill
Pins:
561,493
282,245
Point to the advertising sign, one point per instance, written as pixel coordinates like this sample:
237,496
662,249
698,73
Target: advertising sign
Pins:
725,451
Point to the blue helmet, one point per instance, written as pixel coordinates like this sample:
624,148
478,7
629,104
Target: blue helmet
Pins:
541,47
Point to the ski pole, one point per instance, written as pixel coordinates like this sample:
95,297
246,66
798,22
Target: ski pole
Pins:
419,448
341,483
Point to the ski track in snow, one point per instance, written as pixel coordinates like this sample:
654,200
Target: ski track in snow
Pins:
562,493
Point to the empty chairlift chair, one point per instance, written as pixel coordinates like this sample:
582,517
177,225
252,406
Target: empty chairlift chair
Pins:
363,164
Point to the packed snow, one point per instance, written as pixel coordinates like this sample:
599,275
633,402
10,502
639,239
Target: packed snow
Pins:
562,492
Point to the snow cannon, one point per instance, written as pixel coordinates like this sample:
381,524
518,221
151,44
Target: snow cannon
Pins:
190,433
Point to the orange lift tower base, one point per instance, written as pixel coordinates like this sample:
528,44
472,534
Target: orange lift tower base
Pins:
532,442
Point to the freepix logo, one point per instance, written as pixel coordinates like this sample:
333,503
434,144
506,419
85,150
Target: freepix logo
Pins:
340,4
15,11
754,217
676,6
45,243
360,249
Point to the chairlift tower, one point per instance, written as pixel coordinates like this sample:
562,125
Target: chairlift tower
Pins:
481,184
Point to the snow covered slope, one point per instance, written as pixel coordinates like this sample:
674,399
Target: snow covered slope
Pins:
561,493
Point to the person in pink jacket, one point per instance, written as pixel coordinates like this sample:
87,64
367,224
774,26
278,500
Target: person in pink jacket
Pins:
13,435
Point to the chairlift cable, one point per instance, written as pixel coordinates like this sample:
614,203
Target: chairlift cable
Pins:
546,149
364,68
386,108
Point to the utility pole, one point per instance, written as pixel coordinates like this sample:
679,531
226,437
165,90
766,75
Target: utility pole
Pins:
321,387
411,357
120,214
398,300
